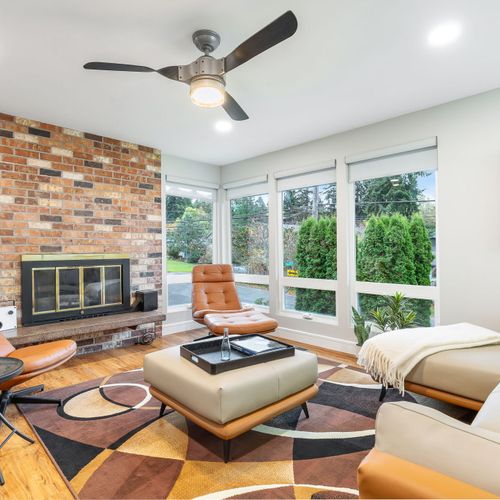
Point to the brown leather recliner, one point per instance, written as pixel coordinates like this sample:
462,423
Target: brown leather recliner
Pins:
217,306
37,359
214,291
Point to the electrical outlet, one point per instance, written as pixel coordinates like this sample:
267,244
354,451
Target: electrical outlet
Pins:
8,318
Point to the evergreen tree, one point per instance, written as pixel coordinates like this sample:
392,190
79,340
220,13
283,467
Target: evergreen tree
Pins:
423,265
371,254
302,246
422,249
395,250
317,258
330,243
399,262
176,205
192,234
388,195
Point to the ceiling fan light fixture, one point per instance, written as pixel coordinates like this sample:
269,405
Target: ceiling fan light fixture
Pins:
207,91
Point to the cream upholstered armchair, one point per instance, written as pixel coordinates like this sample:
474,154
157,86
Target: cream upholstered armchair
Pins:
422,453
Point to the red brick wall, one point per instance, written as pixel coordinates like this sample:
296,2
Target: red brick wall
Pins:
67,191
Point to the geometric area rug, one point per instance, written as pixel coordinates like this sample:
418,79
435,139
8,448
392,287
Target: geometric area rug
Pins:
108,441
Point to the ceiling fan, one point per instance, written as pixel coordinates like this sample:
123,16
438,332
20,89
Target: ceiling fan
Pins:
205,75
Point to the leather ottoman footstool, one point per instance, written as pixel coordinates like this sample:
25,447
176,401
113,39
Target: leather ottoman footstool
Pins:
233,402
240,323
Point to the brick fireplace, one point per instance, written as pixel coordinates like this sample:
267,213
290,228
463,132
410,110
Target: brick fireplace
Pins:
63,191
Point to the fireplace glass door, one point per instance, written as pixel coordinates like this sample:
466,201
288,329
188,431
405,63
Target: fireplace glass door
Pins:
44,290
68,288
92,286
113,285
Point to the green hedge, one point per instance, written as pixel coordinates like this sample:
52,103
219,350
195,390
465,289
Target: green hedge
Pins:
317,258
393,249
396,249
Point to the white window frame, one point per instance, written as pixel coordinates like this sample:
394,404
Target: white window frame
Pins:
178,186
243,190
325,173
385,289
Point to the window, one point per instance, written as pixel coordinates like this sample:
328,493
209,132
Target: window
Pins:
189,235
395,230
309,222
250,234
253,294
309,243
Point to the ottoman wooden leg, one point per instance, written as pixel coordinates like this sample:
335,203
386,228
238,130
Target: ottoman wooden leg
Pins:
383,392
162,409
227,450
305,409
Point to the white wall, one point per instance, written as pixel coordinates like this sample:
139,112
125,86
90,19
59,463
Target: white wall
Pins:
174,166
468,196
189,169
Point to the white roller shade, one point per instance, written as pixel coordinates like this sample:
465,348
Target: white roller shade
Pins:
306,177
190,191
396,161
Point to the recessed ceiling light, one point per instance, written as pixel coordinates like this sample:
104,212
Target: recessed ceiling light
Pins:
444,34
223,126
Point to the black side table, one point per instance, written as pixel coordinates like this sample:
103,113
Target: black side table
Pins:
9,368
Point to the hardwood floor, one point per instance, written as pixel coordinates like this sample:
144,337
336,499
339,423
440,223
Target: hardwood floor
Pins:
28,471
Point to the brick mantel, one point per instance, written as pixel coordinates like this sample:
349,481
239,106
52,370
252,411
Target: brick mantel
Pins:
66,191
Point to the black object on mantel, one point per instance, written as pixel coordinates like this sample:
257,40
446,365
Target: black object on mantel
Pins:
146,300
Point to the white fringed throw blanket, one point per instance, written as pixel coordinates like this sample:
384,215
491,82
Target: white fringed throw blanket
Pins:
390,356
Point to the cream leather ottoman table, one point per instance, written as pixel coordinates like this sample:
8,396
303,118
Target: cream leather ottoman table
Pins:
233,402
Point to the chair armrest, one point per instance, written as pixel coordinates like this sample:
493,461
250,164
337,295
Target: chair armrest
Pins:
203,312
381,475
431,439
489,414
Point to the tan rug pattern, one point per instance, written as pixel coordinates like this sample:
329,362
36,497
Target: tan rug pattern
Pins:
108,442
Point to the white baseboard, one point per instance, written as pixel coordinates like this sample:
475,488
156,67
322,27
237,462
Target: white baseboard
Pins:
179,326
334,343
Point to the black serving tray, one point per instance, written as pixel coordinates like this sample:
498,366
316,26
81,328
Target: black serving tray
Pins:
206,355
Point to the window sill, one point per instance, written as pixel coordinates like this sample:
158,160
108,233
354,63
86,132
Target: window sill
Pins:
315,318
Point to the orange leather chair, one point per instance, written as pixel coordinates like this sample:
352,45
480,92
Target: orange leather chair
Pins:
37,359
216,303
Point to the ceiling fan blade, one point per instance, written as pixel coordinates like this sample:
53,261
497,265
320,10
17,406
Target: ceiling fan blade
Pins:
117,67
171,72
233,109
280,29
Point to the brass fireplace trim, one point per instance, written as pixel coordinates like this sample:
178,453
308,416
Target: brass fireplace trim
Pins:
72,256
81,287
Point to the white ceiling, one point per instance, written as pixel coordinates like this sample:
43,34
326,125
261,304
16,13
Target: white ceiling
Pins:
351,62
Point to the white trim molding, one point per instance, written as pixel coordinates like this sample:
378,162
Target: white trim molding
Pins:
410,291
327,342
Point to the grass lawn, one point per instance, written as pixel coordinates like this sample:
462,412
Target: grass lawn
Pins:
177,266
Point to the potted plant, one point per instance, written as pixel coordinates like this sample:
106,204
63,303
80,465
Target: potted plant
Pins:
395,315
361,328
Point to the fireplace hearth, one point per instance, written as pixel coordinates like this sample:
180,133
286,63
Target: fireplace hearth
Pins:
57,287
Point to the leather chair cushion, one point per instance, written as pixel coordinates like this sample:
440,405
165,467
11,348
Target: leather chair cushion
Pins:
220,296
240,323
41,356
229,395
212,273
